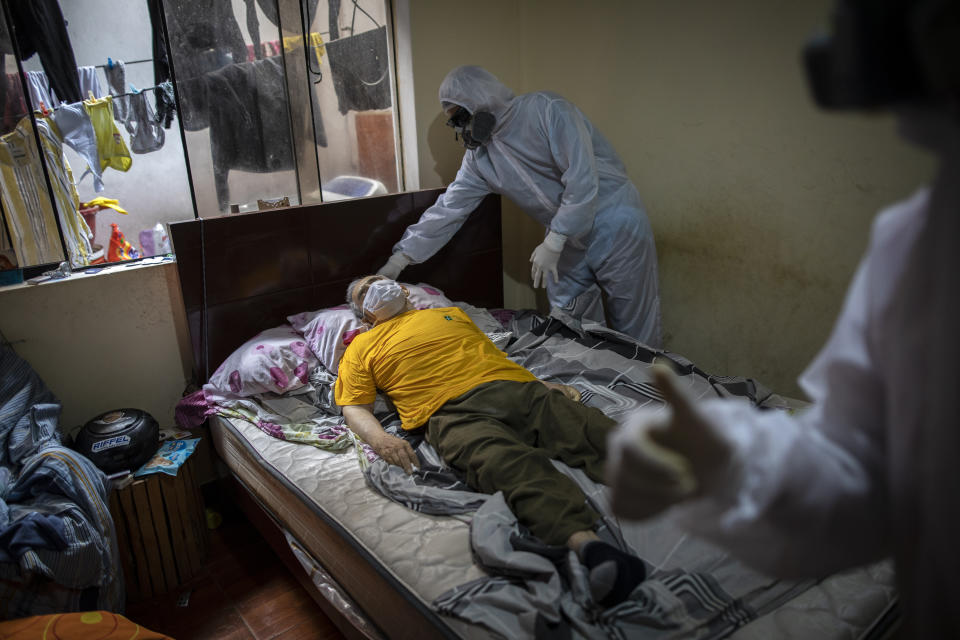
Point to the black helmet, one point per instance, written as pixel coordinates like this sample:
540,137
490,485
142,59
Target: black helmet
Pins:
119,440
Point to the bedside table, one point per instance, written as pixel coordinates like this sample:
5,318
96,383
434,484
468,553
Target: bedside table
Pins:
161,531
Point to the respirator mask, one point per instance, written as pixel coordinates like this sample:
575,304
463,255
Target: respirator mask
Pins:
383,300
473,130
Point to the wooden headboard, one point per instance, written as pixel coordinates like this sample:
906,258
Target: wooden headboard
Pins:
241,274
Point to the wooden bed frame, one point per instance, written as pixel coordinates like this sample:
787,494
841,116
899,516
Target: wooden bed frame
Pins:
244,273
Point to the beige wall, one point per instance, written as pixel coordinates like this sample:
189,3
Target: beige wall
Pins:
105,341
760,203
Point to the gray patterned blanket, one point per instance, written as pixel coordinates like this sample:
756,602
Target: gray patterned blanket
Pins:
694,590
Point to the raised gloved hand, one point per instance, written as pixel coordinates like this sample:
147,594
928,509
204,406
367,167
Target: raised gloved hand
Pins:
656,459
397,263
545,258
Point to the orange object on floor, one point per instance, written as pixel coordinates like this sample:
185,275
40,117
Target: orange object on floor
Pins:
119,249
99,625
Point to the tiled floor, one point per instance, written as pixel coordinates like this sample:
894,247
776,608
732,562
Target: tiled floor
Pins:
243,593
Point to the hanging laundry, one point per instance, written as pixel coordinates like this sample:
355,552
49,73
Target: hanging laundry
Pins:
293,43
77,235
146,134
119,247
361,71
166,116
39,28
249,123
26,199
40,92
89,82
110,145
204,36
166,105
116,74
75,128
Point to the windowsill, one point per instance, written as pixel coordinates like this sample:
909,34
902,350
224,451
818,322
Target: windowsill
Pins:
106,269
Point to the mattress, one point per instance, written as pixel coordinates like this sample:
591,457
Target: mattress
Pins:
400,563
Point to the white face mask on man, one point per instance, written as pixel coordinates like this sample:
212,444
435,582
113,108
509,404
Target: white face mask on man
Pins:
384,299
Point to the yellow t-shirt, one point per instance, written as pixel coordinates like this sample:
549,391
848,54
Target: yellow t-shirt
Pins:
421,359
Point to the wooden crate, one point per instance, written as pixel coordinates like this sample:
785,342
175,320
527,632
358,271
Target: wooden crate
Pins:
161,531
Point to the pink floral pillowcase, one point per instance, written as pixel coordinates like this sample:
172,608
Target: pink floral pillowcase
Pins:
328,332
277,360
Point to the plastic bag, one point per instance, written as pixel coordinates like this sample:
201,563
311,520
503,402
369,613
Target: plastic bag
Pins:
169,457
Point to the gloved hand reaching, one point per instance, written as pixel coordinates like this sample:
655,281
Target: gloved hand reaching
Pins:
656,459
545,258
397,263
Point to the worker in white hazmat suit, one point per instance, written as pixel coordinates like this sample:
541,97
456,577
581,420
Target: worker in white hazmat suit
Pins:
540,151
870,469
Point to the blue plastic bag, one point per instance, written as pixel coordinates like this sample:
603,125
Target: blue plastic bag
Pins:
168,458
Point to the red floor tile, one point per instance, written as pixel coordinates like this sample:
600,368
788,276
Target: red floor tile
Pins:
243,592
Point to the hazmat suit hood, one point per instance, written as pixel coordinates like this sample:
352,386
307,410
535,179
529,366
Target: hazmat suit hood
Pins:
476,89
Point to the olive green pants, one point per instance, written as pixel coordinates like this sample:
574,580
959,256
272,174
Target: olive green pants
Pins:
502,436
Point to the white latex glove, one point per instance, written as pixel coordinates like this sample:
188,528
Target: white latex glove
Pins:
656,459
545,258
397,263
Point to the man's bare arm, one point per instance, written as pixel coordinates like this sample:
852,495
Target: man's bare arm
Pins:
360,419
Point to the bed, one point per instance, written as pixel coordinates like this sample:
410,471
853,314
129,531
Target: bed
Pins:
386,555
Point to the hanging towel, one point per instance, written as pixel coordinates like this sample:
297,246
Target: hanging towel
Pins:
110,145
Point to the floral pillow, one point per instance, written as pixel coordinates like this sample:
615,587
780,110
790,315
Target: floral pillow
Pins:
277,360
328,332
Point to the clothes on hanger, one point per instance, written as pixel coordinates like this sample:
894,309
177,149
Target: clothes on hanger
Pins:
111,147
40,92
290,43
39,28
76,130
204,37
26,199
116,74
146,134
77,235
165,102
249,123
89,82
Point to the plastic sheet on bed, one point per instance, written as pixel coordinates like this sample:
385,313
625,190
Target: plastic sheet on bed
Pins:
331,591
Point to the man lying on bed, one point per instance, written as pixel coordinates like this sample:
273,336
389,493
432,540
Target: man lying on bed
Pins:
488,417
